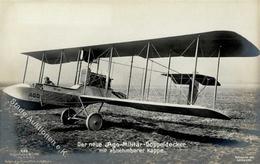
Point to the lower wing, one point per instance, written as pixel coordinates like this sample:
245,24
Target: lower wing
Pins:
190,110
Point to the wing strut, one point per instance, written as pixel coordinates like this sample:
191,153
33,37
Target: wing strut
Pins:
146,67
61,61
130,76
167,80
87,72
25,69
149,82
41,70
216,81
195,70
77,69
142,81
98,61
80,65
109,69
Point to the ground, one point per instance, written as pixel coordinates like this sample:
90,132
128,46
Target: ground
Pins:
201,139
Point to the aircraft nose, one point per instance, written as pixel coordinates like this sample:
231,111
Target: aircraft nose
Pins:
16,91
8,90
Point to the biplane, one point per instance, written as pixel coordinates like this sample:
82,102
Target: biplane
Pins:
96,88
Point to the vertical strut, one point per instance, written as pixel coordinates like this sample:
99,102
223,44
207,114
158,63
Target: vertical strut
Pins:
130,76
98,61
146,67
181,88
43,68
77,69
142,81
149,82
80,65
25,69
195,70
109,70
61,59
169,94
87,72
40,75
216,82
167,80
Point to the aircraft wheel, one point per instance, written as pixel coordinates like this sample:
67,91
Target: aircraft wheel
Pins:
94,121
66,116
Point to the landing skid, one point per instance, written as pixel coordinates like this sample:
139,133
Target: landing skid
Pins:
93,121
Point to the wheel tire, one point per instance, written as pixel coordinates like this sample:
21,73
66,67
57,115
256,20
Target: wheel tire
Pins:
66,117
94,121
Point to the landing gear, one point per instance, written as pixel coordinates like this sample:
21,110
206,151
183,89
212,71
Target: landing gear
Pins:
67,117
94,121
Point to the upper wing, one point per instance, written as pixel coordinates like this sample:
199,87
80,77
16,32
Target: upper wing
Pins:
233,45
190,110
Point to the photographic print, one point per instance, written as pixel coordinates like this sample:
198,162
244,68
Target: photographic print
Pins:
109,81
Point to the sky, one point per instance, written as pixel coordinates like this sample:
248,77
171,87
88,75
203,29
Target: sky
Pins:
40,25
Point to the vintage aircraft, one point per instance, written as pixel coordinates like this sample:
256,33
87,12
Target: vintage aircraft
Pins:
96,88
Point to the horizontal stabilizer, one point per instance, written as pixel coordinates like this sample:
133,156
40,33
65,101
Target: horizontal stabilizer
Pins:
186,79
